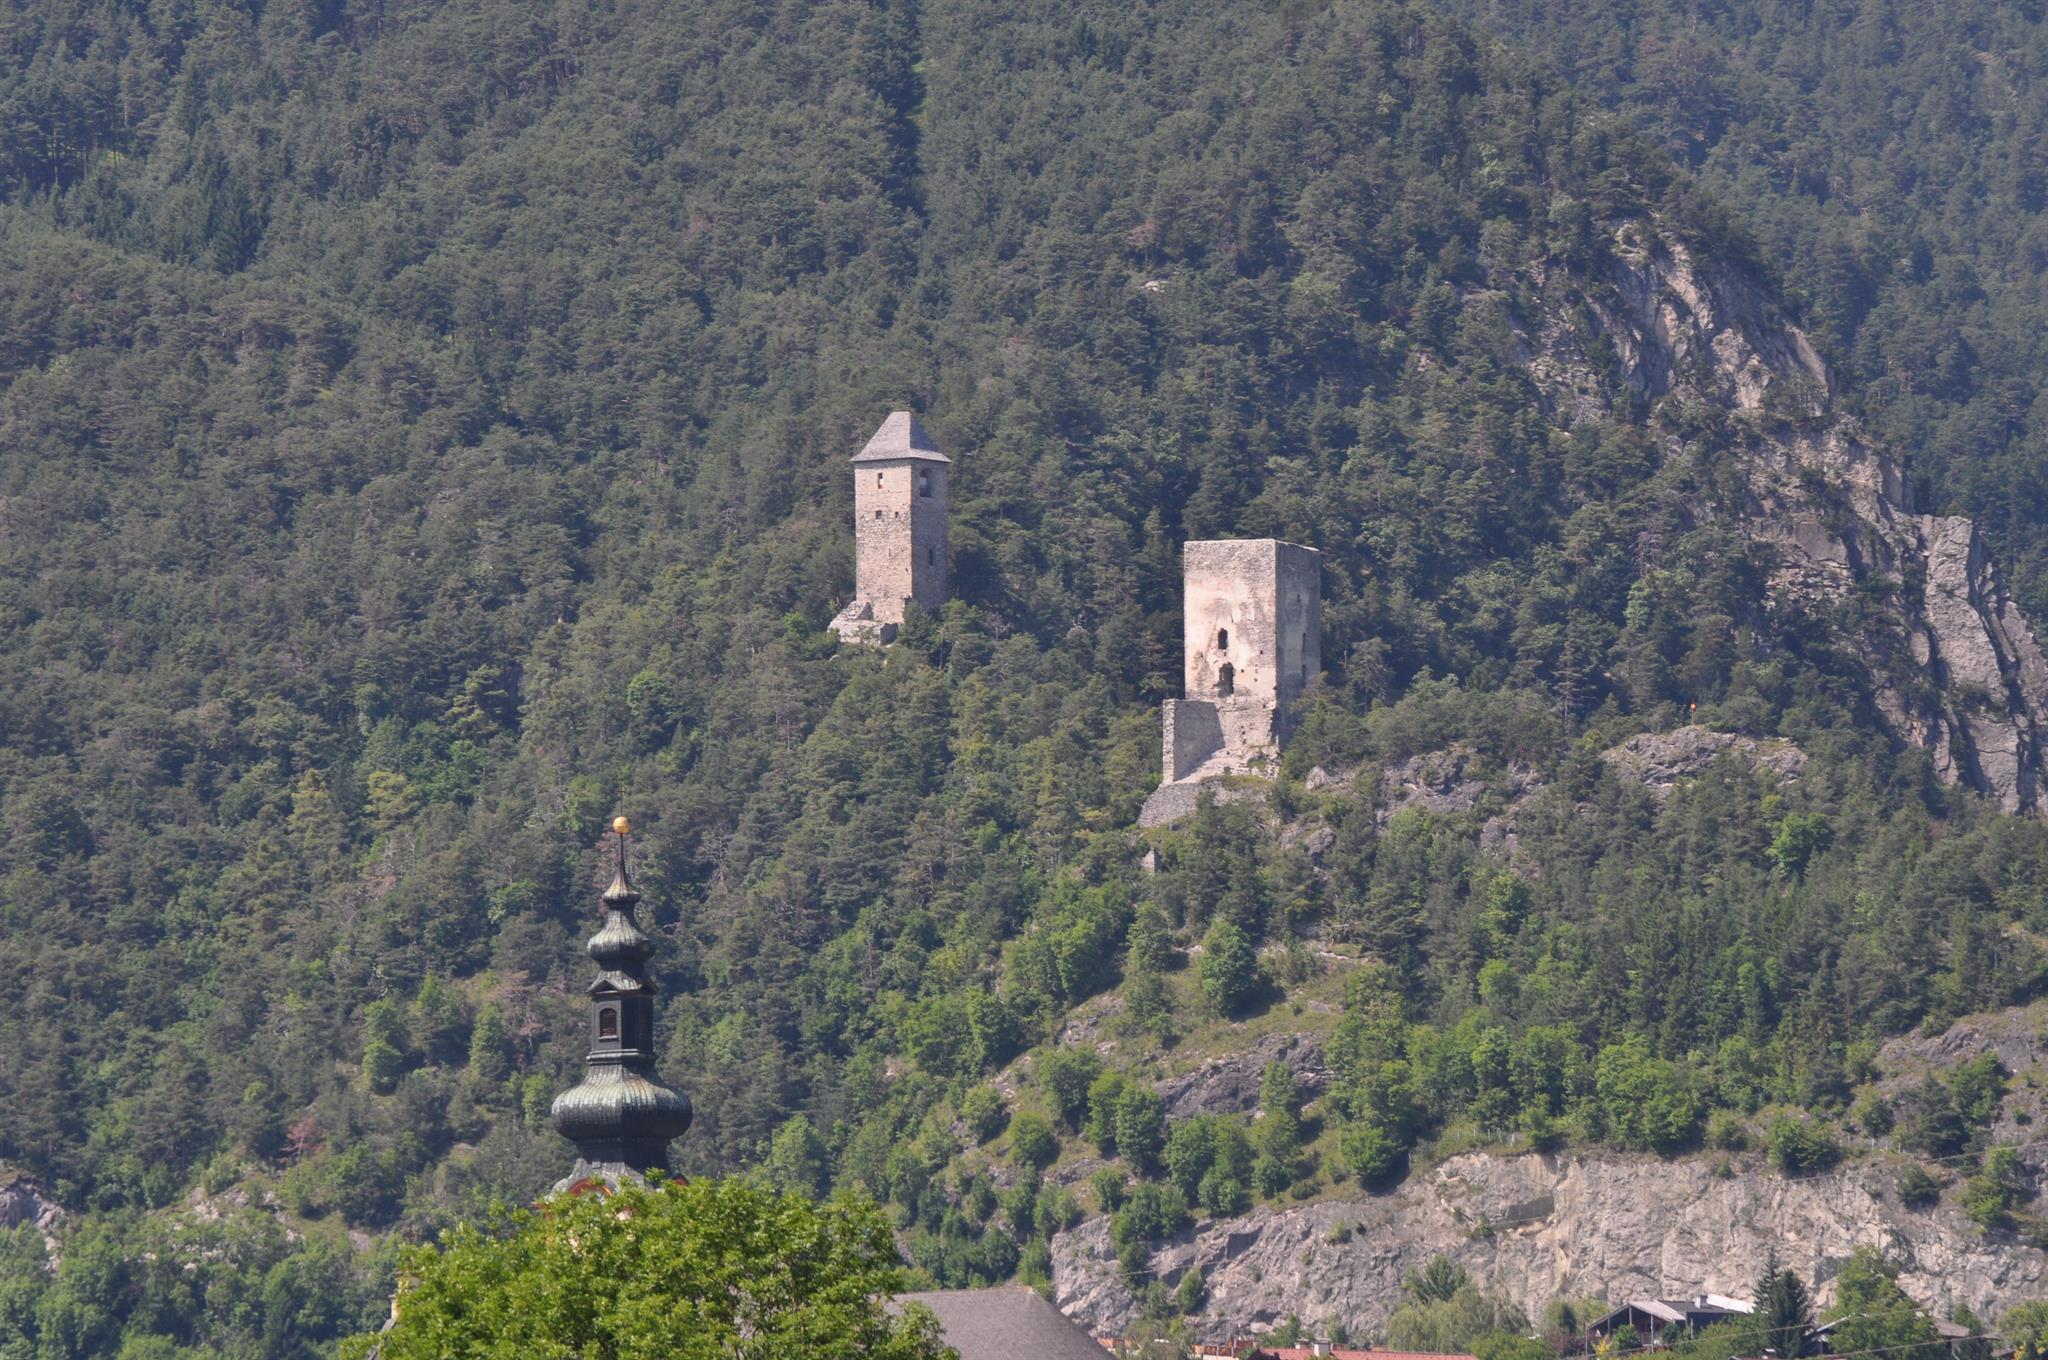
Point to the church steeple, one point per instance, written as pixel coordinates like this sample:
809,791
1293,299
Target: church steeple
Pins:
620,1118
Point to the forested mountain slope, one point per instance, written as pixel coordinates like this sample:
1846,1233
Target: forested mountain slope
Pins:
424,434
1888,161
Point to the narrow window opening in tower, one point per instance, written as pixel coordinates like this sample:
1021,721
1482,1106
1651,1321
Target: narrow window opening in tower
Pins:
878,481
1226,680
608,1023
1222,639
924,484
878,514
931,557
1304,672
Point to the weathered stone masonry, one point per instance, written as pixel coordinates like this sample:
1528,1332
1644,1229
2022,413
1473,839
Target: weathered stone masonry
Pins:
1251,643
900,507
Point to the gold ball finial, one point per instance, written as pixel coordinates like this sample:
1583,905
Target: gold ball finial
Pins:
621,825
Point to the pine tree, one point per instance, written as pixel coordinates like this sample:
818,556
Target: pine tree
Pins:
1784,1310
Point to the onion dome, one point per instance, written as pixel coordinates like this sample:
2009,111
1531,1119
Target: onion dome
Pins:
620,1117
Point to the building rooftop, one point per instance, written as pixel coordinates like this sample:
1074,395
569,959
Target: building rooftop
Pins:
999,1324
901,436
1696,1308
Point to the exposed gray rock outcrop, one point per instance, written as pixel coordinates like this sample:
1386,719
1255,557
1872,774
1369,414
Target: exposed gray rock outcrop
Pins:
23,1200
1661,761
1449,781
1454,781
1231,1085
1953,666
1534,1227
1985,657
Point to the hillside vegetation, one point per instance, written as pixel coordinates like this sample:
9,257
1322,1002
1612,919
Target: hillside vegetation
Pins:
1887,160
423,435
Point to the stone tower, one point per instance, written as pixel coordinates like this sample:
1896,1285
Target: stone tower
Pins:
620,1117
1251,622
900,505
1251,642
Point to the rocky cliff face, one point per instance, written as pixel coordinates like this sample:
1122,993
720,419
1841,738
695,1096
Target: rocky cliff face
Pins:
22,1200
1533,1227
1954,666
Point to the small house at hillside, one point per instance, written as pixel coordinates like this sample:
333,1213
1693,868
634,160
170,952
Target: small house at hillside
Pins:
1014,1323
1652,1318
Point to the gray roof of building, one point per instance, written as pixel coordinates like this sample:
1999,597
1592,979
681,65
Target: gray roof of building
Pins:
901,436
1678,1310
1001,1324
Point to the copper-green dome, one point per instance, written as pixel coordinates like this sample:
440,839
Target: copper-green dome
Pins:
614,1102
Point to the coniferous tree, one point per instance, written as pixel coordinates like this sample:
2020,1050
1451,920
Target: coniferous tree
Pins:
1784,1310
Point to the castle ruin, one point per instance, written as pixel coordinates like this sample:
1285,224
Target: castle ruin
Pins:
899,530
1251,641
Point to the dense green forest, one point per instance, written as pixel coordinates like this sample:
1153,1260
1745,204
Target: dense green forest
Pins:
423,435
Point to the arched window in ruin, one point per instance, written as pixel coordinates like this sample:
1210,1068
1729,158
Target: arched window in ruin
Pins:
1222,639
1226,680
608,1023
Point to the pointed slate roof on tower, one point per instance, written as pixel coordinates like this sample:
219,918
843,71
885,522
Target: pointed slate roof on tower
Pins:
901,436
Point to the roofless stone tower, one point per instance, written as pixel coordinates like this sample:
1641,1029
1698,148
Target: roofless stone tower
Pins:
899,530
1251,641
620,1118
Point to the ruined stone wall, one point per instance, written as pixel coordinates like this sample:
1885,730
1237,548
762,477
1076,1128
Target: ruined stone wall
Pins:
1190,734
899,535
1196,730
1251,642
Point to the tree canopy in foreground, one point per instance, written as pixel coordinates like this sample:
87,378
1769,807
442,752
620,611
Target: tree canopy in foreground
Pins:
707,1269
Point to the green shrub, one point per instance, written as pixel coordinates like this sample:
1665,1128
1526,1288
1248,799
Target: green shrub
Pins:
1727,1131
1033,1144
1916,1188
1643,1101
1154,1212
1229,969
1873,1114
1999,1185
1191,1294
1373,1155
985,1113
1110,1184
1802,1146
1065,1075
1104,1093
1140,1127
